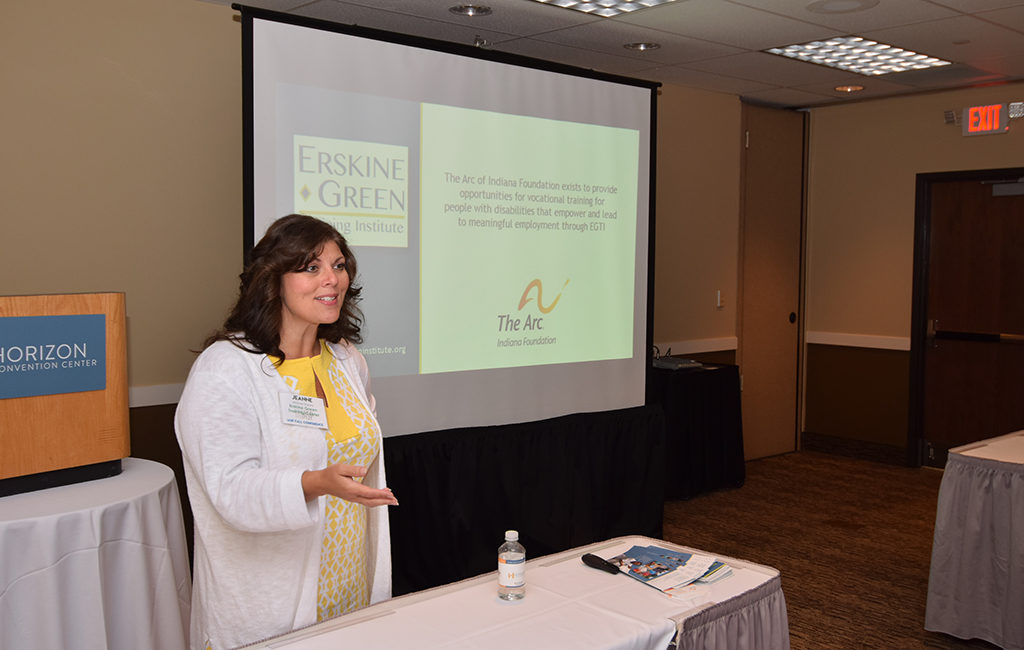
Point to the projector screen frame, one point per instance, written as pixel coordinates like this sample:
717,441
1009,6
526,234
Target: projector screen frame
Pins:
248,14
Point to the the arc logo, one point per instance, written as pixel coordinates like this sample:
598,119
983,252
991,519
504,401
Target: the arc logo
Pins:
528,296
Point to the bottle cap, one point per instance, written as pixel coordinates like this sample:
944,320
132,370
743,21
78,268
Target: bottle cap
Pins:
511,535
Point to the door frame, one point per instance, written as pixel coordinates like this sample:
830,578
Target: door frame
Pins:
918,451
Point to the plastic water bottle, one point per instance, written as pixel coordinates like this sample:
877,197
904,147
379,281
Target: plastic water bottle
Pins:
511,568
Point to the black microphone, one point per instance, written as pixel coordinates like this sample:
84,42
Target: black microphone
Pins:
596,562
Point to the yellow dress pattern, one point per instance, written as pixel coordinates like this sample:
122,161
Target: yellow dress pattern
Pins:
353,438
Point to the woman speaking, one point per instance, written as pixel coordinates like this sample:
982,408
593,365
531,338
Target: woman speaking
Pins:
282,450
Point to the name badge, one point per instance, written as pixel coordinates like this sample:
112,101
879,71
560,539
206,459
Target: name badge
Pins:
303,411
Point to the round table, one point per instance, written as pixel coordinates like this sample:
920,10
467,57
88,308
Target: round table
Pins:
100,564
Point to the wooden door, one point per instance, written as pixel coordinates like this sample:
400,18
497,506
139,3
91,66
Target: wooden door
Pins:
770,253
970,363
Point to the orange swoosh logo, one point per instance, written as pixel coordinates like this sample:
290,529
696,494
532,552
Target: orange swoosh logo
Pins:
535,283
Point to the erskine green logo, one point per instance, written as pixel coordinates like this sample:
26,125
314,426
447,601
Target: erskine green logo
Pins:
360,188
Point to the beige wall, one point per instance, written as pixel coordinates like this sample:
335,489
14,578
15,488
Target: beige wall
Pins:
121,164
863,163
697,202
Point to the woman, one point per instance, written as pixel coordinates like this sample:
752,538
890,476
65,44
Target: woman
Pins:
282,450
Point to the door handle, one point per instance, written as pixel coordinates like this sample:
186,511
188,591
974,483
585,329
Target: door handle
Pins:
981,337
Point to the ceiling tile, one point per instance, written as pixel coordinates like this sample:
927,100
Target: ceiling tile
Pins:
957,75
684,76
1012,17
787,98
884,14
969,6
611,36
587,59
398,23
509,16
873,87
727,23
958,39
777,70
1009,66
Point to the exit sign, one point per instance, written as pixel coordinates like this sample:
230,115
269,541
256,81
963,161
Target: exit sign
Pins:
985,120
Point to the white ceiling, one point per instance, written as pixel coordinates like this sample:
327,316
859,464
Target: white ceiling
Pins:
716,44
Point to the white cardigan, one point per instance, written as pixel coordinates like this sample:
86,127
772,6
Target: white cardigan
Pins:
257,541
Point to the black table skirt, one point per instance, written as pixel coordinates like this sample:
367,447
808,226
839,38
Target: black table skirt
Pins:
703,428
561,483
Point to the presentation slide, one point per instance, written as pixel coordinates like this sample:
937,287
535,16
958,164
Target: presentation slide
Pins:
481,212
498,214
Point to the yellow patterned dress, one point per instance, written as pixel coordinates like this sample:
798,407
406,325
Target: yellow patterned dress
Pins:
353,438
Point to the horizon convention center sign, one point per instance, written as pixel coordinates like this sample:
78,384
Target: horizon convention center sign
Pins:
49,355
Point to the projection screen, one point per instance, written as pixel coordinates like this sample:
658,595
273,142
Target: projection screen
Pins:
499,209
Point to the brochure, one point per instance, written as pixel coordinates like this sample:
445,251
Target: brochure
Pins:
664,569
716,571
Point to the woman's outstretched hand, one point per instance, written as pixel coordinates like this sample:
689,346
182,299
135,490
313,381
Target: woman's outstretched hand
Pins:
340,480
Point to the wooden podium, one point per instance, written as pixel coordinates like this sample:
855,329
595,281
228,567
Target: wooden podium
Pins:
63,389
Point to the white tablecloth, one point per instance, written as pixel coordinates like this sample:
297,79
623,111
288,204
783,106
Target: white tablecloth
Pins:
976,581
567,605
96,565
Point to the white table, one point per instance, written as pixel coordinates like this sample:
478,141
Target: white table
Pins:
567,605
96,565
976,581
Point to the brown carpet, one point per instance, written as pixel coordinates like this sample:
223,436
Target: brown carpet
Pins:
851,538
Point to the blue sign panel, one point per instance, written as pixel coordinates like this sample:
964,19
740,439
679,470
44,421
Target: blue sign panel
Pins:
47,355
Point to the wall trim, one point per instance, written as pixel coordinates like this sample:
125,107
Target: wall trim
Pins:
695,346
154,395
859,340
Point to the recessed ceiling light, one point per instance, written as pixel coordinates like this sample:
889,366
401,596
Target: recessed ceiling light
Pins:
859,55
606,8
849,89
642,47
470,10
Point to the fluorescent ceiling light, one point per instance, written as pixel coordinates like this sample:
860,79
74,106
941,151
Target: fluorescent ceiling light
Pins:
606,8
859,55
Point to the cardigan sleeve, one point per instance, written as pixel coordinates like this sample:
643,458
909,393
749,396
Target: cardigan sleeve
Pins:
222,440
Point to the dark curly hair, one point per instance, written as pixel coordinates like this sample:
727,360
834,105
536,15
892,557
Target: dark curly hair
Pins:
289,245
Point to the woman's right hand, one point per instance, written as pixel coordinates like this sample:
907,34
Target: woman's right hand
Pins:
340,480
